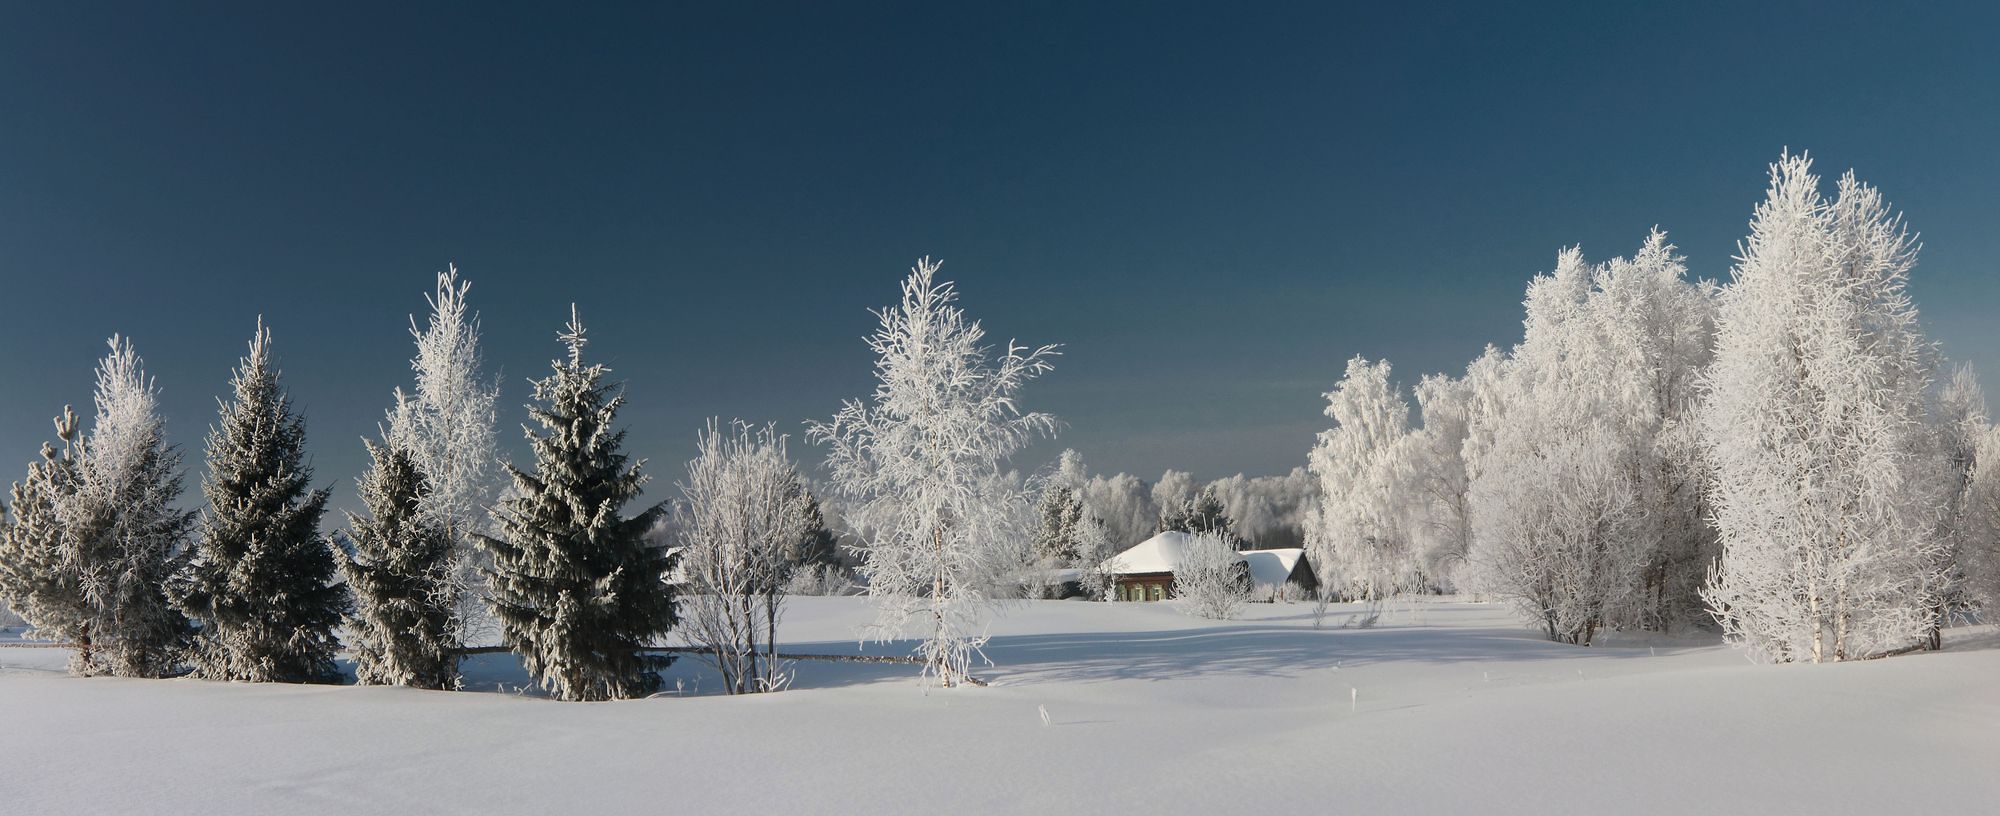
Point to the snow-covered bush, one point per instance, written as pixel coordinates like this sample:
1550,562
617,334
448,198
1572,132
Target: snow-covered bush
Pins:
919,467
744,518
820,579
1211,581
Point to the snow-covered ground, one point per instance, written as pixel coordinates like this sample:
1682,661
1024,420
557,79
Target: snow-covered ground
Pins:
1447,708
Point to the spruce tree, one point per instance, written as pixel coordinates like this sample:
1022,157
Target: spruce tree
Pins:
261,583
577,589
820,547
1203,514
37,577
403,627
1057,532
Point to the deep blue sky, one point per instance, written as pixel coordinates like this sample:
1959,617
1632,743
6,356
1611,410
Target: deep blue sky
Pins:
1212,207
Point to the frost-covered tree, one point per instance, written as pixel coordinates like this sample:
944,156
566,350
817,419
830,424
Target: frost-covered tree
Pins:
920,468
1202,514
1267,511
402,629
577,589
744,519
261,586
1586,504
1979,514
1826,483
1068,533
1439,482
37,577
1211,580
446,423
128,539
1172,494
1961,423
1355,532
1124,503
822,545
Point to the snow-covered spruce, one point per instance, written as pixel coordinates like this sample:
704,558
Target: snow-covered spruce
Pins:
743,526
36,578
127,539
1826,483
402,629
446,425
919,466
576,588
1201,514
1068,534
261,586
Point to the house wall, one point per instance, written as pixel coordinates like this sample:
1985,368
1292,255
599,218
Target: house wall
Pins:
1151,586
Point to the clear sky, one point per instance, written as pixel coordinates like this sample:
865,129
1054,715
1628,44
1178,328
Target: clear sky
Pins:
1213,207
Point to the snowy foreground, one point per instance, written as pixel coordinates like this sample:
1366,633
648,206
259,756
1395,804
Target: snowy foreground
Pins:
1455,708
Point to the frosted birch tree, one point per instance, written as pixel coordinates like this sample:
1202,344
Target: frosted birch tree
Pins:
1355,532
446,424
128,539
1124,504
744,521
1826,486
920,468
1440,484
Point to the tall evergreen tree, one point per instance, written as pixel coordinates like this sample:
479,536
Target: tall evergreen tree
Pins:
36,577
261,582
129,539
577,589
1201,515
402,629
821,546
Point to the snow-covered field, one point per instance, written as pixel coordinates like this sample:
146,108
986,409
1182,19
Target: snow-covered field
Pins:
1446,708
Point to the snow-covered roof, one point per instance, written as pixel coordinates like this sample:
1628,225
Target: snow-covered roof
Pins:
1163,553
1272,567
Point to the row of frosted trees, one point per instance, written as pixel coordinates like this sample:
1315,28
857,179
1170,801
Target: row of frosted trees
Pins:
1780,456
561,567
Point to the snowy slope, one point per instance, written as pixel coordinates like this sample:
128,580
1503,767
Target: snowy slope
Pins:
1456,709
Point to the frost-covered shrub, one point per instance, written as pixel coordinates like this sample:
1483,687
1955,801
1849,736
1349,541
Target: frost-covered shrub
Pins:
821,579
1212,581
745,516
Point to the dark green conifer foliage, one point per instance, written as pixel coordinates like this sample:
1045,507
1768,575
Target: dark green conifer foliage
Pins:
403,628
261,585
576,587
